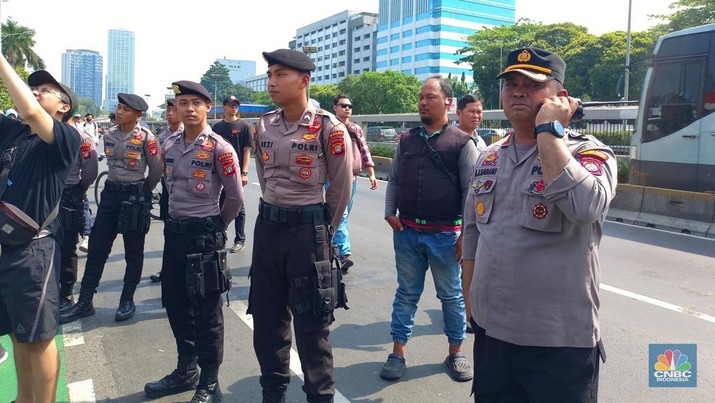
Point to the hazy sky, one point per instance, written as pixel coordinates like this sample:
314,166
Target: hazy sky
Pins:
180,39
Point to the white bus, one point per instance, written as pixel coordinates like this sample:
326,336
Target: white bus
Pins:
674,142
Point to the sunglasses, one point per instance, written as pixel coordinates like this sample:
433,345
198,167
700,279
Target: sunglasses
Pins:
349,106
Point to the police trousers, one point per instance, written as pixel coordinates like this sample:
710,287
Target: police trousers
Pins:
104,232
70,200
282,251
197,324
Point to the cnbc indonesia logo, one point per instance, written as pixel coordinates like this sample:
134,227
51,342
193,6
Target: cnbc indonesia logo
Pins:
673,365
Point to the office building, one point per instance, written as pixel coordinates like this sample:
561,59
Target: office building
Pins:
82,71
421,37
339,45
120,66
258,83
239,70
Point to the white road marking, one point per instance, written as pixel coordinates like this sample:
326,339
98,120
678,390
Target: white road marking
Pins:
659,303
239,308
82,391
72,334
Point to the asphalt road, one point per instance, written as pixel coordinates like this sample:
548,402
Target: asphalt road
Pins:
648,275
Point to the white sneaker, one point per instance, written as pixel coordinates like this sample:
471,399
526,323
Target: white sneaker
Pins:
237,247
3,355
84,245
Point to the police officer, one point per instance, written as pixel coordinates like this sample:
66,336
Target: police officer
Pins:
72,216
199,164
175,126
124,207
298,148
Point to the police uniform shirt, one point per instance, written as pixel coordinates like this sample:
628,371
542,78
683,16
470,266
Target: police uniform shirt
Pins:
39,175
196,172
85,170
166,133
129,154
238,133
535,247
293,161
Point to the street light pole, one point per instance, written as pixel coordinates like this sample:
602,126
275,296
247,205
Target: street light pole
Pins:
215,76
628,53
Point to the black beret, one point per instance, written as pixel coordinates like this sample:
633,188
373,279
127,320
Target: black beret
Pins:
171,102
290,58
133,101
537,64
40,77
231,99
185,87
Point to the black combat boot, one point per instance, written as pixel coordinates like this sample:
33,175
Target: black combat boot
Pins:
276,395
210,393
81,309
185,377
125,311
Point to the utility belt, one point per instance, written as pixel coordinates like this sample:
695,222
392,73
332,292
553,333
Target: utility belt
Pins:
326,289
134,214
194,226
72,209
123,187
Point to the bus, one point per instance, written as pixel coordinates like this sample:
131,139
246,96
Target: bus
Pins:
673,145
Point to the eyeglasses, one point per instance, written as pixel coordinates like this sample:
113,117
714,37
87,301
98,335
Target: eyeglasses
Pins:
48,90
349,106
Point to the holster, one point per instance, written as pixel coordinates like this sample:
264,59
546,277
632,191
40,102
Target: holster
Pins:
134,215
72,212
207,273
195,285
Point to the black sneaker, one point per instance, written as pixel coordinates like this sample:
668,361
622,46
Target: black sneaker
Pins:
66,303
172,384
155,278
81,309
207,394
345,263
125,311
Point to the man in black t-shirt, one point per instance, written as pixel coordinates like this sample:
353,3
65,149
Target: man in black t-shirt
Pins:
238,133
44,151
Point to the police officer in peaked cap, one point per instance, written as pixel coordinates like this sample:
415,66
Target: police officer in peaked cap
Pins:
298,148
194,271
123,208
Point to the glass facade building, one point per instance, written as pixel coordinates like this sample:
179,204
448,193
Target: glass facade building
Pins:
120,66
82,70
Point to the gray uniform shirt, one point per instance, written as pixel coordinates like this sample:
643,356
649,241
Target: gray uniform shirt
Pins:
85,170
129,154
166,133
536,270
196,172
293,161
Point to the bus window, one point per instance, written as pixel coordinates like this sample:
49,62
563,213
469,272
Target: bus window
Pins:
674,102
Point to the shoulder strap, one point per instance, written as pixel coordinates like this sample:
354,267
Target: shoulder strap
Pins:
6,163
439,163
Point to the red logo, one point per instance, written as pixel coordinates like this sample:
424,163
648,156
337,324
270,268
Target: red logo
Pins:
337,147
132,163
315,127
540,211
229,170
209,145
305,172
153,148
200,186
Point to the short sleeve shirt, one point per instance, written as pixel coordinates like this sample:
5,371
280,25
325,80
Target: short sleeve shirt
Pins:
237,133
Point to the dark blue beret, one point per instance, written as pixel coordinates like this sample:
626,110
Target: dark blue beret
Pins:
171,102
185,87
133,101
290,58
537,64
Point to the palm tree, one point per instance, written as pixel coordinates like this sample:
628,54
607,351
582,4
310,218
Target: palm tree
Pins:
17,43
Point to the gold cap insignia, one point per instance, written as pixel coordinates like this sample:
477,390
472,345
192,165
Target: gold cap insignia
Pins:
176,89
524,56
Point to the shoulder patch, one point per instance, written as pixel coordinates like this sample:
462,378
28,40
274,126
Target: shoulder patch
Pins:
598,154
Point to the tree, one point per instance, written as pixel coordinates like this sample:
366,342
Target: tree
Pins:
459,86
5,100
689,13
262,98
17,43
381,93
324,94
218,82
243,93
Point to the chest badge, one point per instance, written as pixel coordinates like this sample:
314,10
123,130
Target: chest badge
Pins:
265,156
315,126
136,141
203,155
132,163
304,159
210,144
200,186
540,211
480,208
305,173
199,174
537,187
490,160
310,136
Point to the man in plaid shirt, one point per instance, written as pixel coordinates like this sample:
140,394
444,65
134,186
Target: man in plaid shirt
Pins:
362,159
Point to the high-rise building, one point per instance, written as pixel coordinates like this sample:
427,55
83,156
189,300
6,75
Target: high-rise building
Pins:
120,66
421,37
82,71
239,70
339,45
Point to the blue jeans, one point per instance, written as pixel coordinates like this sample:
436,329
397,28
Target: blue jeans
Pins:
341,240
414,253
88,220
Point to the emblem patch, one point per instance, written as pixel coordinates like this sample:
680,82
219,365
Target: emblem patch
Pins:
229,170
153,148
315,126
540,211
524,56
305,172
537,187
594,154
203,155
200,186
304,159
480,208
199,174
337,147
226,159
310,136
132,155
209,145
336,134
265,156
107,150
86,150
485,184
132,163
135,141
490,160
592,165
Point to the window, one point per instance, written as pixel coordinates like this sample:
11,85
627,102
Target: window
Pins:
366,59
342,42
394,37
366,47
356,71
356,50
366,36
341,74
335,75
342,63
394,49
342,31
382,52
365,70
341,53
407,34
394,61
381,64
407,46
379,40
407,59
356,60
335,34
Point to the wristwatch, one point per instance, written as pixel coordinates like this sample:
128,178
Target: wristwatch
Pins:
554,128
245,173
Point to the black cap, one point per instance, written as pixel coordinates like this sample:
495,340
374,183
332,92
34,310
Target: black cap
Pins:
40,77
231,99
171,102
133,101
537,64
185,87
290,58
